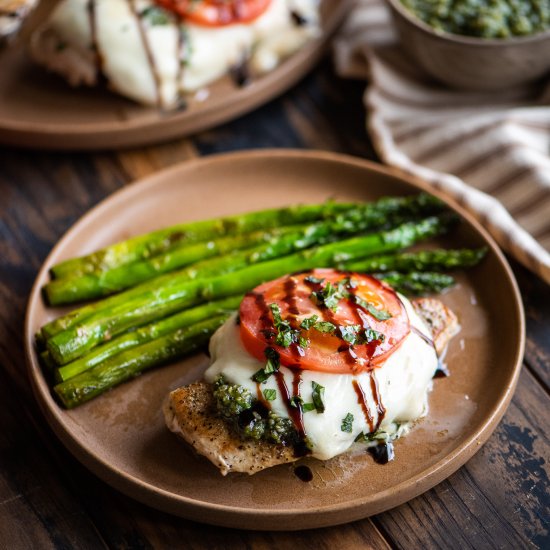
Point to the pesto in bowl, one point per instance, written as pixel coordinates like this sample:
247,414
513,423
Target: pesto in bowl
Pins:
483,18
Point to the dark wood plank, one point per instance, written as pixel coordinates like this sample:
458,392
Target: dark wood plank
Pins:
536,300
42,195
140,162
499,499
36,510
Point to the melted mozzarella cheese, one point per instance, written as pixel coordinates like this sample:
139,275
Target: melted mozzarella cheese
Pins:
155,63
403,383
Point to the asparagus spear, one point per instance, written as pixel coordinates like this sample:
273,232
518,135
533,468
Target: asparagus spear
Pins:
425,260
369,215
47,361
145,246
386,212
166,299
417,283
147,333
134,361
150,244
102,282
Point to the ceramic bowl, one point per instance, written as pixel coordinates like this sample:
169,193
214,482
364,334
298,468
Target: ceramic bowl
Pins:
472,63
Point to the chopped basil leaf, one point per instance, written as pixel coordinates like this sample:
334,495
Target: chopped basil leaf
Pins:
272,355
272,365
325,326
347,423
276,312
348,333
371,335
270,394
296,401
285,338
263,374
313,280
317,396
326,297
379,314
368,437
329,296
304,342
307,323
155,16
286,335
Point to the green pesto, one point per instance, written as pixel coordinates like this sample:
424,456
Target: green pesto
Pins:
483,18
232,400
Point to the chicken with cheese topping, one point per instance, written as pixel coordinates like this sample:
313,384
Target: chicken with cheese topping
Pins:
313,363
156,52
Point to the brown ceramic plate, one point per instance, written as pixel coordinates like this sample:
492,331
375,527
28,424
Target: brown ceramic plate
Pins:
41,110
121,435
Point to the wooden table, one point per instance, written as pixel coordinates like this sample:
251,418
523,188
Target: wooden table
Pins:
500,499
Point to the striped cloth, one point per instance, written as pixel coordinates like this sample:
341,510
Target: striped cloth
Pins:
490,151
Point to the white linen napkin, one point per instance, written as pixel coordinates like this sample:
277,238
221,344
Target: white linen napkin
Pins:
489,151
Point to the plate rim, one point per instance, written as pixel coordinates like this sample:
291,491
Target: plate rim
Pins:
191,507
136,132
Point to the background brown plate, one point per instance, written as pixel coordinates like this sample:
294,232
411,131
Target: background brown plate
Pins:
122,438
38,109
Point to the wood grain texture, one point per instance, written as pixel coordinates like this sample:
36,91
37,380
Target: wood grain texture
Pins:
536,300
500,499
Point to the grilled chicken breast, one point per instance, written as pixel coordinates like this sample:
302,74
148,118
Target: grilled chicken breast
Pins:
191,413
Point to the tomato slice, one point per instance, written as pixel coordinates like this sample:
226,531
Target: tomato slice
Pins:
377,317
217,13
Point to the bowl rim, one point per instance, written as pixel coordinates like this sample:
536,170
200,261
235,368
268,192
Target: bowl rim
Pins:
403,12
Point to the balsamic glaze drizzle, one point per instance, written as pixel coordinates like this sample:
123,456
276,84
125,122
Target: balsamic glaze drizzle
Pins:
382,453
94,46
247,416
380,409
240,73
442,371
148,53
426,339
181,43
362,400
303,473
265,318
297,18
294,413
290,298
